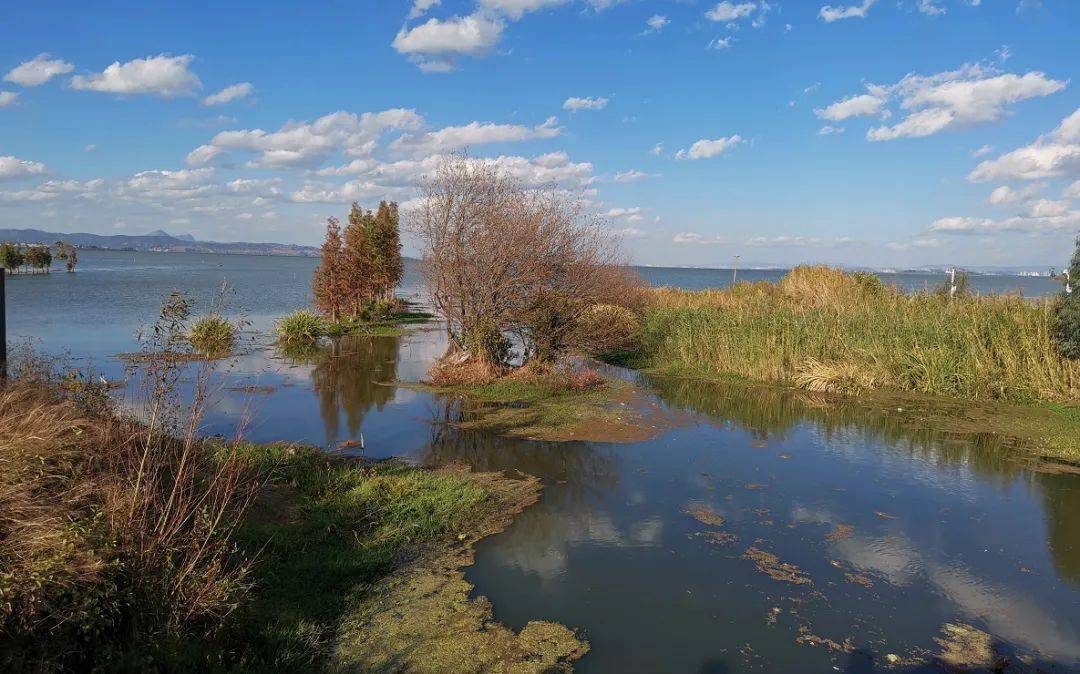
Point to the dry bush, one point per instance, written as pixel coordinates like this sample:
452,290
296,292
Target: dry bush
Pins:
500,259
116,535
452,372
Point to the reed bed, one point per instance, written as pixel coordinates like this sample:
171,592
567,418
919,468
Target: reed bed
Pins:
825,330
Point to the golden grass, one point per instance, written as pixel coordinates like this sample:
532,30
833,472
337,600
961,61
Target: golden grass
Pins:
825,330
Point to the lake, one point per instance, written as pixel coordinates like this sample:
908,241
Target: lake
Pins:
759,531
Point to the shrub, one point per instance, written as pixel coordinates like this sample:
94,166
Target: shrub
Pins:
1067,331
609,330
300,328
212,334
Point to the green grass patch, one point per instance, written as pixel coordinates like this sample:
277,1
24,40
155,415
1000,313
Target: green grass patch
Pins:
323,530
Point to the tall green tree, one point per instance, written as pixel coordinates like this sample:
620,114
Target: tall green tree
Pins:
328,284
1068,327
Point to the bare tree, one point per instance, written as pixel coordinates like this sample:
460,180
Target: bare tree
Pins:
500,259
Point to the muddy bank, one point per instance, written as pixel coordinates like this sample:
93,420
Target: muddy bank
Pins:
421,619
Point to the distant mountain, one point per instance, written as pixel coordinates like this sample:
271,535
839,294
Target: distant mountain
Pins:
156,240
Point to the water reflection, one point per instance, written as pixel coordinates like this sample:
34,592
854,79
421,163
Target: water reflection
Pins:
350,376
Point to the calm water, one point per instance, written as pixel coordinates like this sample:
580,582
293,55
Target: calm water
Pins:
941,529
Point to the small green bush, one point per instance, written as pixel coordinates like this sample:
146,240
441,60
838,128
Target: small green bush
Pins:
1068,313
212,334
299,328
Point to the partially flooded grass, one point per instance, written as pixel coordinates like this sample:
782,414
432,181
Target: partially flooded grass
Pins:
823,330
523,407
347,548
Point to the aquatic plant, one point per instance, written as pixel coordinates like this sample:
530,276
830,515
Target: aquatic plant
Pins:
11,258
825,330
212,334
301,327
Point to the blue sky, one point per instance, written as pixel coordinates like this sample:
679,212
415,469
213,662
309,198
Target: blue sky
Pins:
878,133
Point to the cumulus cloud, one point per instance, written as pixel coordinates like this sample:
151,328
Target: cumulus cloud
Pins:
631,214
229,94
1007,195
707,149
1029,223
476,133
12,168
728,11
8,98
436,42
970,95
164,76
828,13
573,104
1051,155
38,70
307,144
1072,191
657,150
860,105
828,130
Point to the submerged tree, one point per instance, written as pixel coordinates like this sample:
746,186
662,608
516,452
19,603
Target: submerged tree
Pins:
1068,325
39,257
361,265
11,257
66,251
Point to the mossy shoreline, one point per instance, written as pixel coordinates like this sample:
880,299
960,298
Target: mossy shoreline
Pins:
346,548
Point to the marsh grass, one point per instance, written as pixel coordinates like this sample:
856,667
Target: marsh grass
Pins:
300,328
824,330
213,334
116,532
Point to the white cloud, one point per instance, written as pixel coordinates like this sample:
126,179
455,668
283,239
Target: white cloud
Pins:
982,151
628,233
436,42
38,70
1031,224
12,168
657,150
169,185
706,149
1072,191
631,214
476,133
308,144
421,7
931,7
1007,195
932,103
165,76
631,176
786,241
8,98
515,9
727,11
853,106
1052,155
230,93
656,23
1048,208
573,104
829,13
829,130
693,238
53,189
923,243
720,43
90,148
